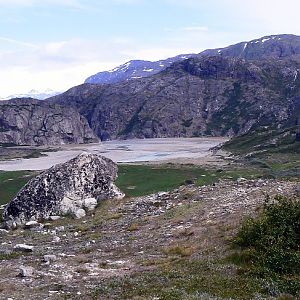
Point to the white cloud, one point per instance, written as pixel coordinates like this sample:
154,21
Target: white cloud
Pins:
61,64
58,65
16,42
272,15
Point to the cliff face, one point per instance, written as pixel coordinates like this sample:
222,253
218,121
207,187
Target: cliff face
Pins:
199,96
34,122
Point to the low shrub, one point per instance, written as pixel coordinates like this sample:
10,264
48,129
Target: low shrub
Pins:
272,242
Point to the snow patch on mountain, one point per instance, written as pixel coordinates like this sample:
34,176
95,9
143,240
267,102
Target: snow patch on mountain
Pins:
134,69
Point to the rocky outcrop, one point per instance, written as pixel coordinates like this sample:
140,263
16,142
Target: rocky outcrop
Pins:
69,188
34,122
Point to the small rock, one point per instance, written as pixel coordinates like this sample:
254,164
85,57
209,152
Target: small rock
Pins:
79,213
50,258
26,271
56,239
23,248
241,179
260,183
3,231
60,228
32,224
54,218
47,225
90,204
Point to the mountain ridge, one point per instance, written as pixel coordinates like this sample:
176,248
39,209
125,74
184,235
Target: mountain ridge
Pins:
134,69
272,46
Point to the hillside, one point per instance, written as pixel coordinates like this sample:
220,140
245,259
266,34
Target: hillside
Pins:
172,245
215,96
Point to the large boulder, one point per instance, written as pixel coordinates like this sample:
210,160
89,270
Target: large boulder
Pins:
69,188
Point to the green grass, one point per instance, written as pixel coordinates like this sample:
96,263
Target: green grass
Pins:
11,183
265,140
182,279
139,180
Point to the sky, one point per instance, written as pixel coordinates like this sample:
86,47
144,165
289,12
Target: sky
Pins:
57,44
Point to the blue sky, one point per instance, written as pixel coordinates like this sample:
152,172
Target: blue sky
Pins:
58,43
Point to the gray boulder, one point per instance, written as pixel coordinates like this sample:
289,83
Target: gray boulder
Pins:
65,189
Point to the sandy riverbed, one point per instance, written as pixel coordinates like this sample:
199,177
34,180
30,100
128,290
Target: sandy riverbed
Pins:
189,150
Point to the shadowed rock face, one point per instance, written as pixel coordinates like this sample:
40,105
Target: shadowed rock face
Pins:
34,122
69,188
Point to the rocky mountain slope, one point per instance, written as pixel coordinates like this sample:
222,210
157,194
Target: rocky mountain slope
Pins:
199,96
134,69
33,122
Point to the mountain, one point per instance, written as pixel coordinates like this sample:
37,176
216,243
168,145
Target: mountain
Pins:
217,95
33,122
41,95
273,46
239,89
134,69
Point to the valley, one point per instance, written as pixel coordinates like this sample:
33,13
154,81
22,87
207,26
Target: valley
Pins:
200,199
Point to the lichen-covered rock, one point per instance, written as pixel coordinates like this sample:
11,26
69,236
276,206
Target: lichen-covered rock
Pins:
66,188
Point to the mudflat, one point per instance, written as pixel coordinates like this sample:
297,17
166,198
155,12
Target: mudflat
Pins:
125,151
